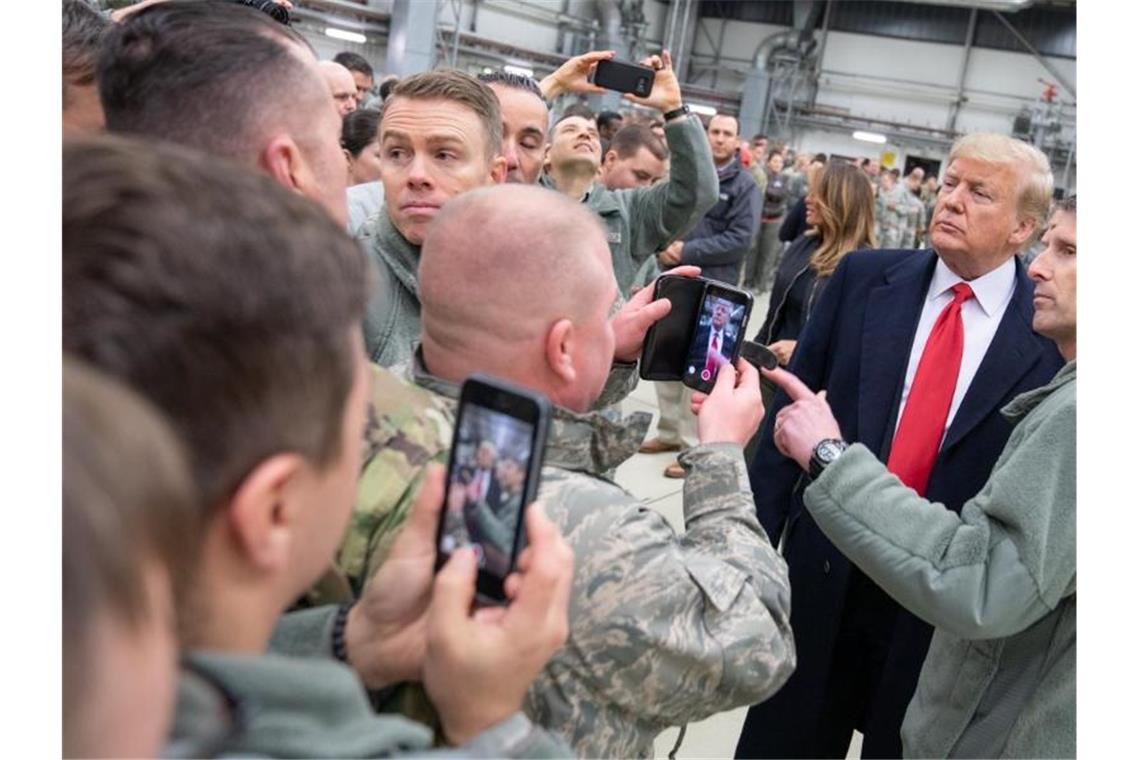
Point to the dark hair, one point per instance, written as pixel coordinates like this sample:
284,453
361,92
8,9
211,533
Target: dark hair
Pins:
386,88
354,62
207,74
220,296
512,80
735,121
83,32
1068,204
605,118
359,129
127,500
577,109
628,140
819,158
449,84
895,173
759,136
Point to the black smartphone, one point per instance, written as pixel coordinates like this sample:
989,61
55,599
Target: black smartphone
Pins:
667,342
717,335
624,76
493,473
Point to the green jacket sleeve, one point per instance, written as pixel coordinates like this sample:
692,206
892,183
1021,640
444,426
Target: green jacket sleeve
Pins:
660,214
991,572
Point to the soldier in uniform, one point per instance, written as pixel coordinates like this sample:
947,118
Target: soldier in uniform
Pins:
929,198
665,629
912,209
889,210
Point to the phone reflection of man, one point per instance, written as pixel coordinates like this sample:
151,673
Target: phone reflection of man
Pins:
714,342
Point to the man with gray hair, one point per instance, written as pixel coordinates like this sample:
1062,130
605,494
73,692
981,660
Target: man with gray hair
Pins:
665,629
918,351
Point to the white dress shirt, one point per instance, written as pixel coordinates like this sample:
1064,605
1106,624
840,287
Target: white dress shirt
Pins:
981,316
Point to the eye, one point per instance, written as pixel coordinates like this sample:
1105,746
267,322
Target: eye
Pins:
395,154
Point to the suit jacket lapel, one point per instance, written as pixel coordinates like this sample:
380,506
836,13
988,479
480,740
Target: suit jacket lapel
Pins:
892,313
1013,352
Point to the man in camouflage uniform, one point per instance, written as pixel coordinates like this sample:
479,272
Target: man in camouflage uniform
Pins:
929,198
889,210
665,629
912,209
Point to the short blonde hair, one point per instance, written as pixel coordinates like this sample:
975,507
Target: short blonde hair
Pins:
1036,193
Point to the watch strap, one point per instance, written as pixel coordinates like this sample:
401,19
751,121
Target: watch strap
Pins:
677,112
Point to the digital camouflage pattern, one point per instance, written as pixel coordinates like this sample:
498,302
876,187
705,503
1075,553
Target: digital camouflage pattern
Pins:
912,219
890,217
664,629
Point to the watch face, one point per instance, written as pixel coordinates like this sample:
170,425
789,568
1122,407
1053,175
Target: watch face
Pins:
829,451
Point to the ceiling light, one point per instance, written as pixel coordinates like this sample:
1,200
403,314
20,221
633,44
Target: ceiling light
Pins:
703,110
341,34
520,70
871,137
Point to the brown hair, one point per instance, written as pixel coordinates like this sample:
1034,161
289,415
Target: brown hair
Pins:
83,31
448,84
845,205
127,500
223,298
628,140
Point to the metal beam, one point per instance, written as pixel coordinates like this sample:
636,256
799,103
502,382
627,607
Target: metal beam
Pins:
411,37
952,122
1040,58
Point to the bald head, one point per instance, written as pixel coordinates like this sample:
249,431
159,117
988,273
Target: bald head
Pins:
341,85
489,301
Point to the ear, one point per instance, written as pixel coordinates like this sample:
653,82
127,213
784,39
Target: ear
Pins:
560,345
609,158
261,513
347,157
282,160
1022,232
499,170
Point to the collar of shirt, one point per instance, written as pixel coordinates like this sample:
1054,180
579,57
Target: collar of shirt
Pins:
991,290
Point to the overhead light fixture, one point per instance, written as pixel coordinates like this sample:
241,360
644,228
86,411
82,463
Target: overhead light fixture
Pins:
871,137
341,34
520,70
703,110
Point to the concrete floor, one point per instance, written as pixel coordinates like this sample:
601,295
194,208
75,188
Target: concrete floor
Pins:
642,475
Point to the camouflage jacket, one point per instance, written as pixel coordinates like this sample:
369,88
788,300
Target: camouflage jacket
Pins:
406,428
664,629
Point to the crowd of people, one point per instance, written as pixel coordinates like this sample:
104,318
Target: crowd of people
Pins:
273,287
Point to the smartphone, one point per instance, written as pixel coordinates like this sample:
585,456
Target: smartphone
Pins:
717,335
493,473
624,76
667,342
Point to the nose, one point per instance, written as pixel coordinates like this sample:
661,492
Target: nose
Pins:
1039,268
418,175
510,152
955,197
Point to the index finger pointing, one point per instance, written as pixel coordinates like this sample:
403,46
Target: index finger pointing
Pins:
791,384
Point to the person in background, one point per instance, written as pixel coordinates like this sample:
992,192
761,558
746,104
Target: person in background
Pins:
757,165
361,71
912,208
360,139
130,523
998,580
929,198
609,122
636,158
386,85
759,266
795,222
889,210
841,219
83,30
524,123
341,85
798,180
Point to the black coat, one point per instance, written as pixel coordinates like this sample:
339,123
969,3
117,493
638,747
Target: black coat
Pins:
857,345
794,292
725,233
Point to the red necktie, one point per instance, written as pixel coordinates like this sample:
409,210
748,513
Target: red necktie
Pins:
923,421
710,362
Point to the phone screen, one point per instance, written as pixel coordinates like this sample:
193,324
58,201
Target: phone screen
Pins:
486,487
667,343
719,331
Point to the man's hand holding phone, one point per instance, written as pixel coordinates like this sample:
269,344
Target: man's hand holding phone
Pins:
480,662
574,75
666,93
634,319
733,411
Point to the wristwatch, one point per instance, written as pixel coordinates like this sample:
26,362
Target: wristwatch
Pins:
824,453
676,112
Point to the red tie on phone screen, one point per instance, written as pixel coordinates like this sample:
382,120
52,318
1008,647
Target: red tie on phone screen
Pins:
710,362
923,421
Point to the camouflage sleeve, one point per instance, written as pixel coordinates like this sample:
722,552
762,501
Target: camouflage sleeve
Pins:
665,629
620,383
405,430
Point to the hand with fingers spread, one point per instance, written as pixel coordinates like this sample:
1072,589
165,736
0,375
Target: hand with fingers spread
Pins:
805,422
732,412
666,93
386,632
480,664
574,75
634,319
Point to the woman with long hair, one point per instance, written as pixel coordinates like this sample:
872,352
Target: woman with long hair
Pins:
841,219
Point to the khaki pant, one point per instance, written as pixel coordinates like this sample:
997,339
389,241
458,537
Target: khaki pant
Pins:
678,424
